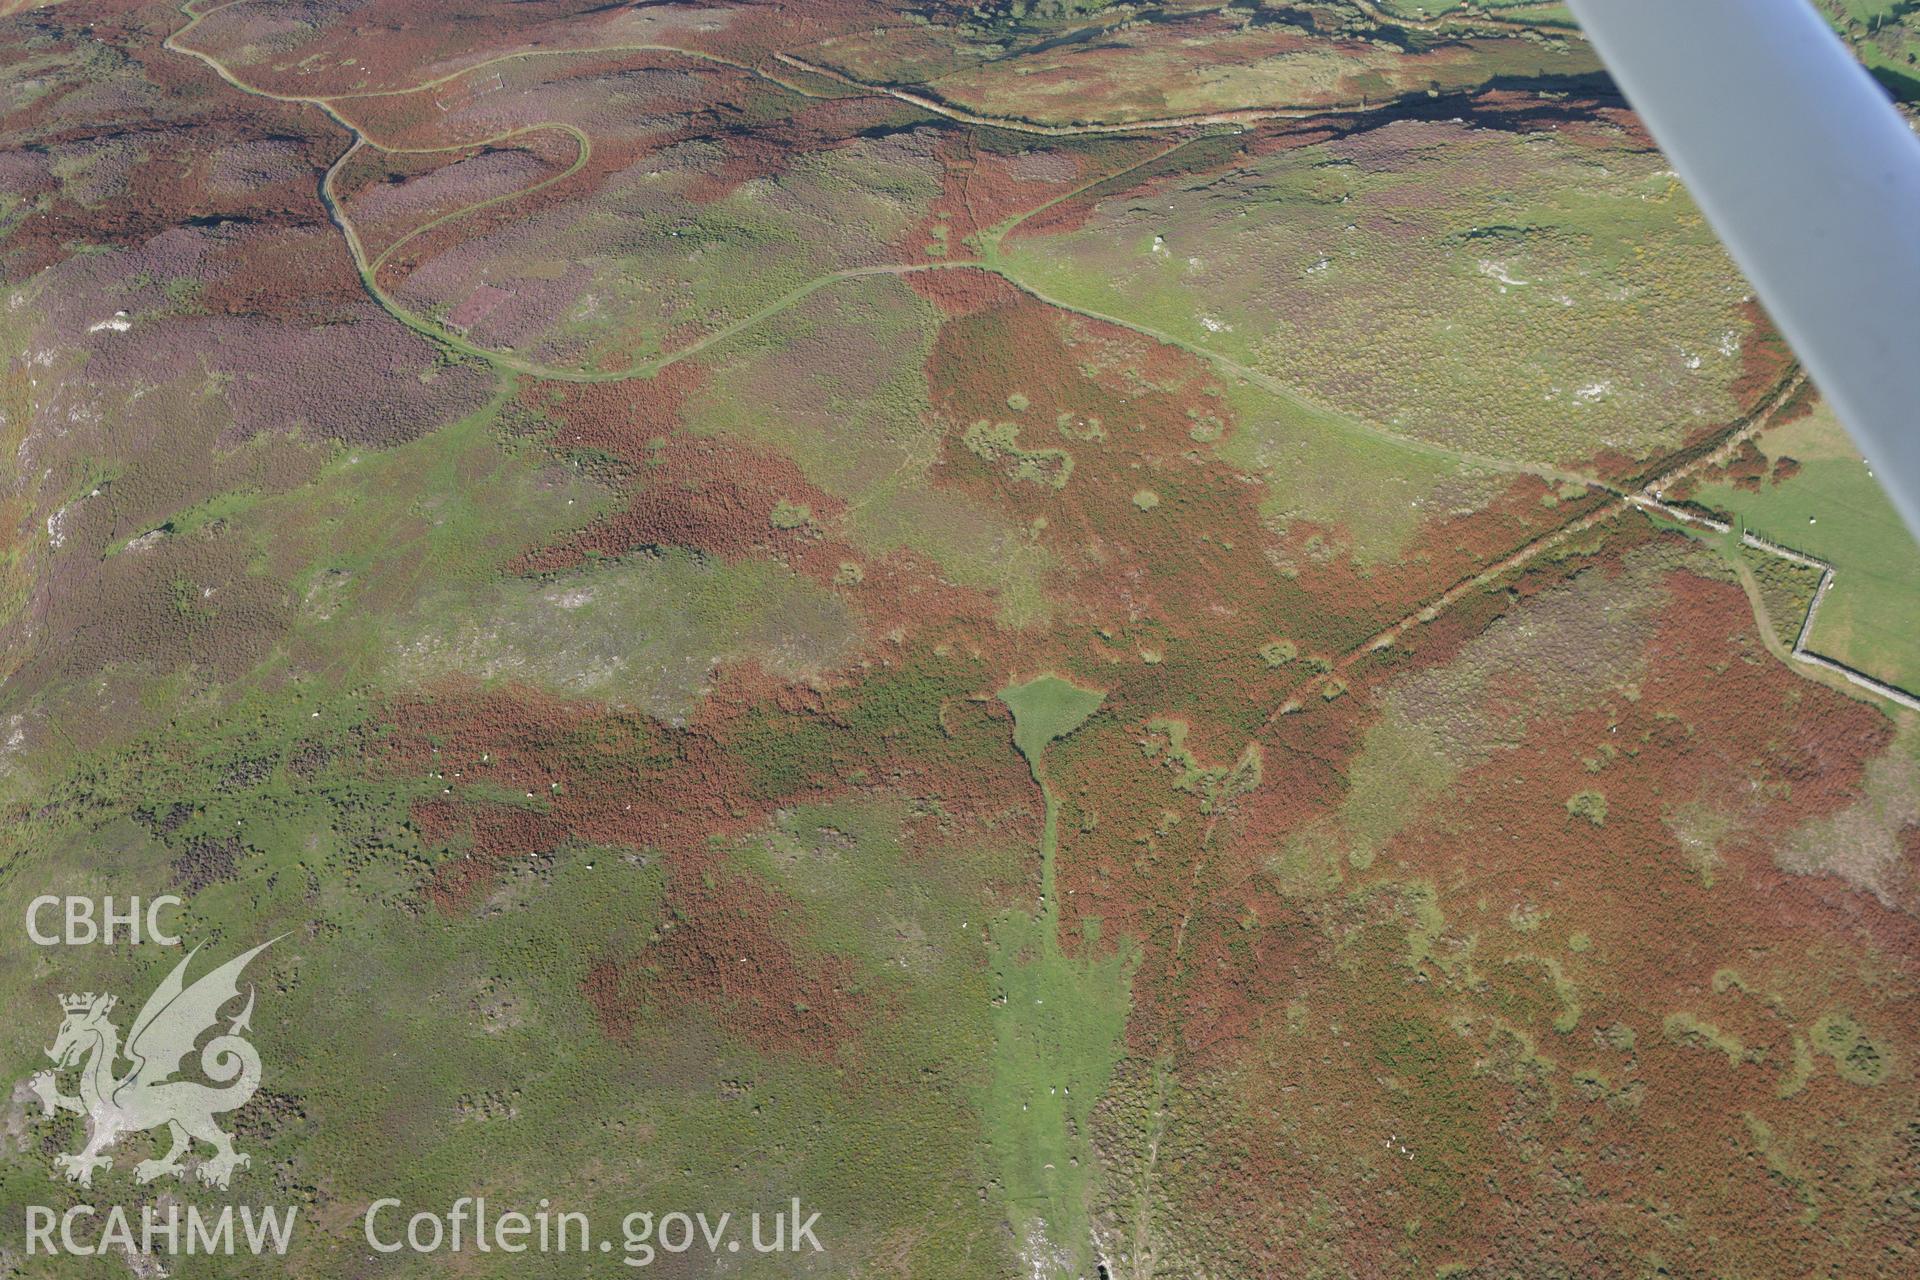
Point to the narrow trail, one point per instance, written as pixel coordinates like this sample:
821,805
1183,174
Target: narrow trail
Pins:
1647,496
1467,18
1284,391
1012,124
1800,652
1241,117
1470,20
369,268
583,153
196,16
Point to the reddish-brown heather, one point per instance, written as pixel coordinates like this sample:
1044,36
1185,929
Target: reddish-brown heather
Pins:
960,292
599,776
984,182
1765,360
386,44
718,495
1495,1129
721,948
711,495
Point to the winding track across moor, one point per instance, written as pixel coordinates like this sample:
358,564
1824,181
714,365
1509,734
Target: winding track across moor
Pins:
1240,117
369,268
1645,497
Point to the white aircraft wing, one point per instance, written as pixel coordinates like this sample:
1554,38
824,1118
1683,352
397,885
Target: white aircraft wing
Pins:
1812,179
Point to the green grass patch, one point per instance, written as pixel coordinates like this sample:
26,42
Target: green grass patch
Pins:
1684,1028
1591,805
1058,1026
646,631
1483,292
838,384
1859,1059
1833,509
1045,708
1786,588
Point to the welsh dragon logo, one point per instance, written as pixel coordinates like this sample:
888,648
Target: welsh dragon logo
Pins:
151,1093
